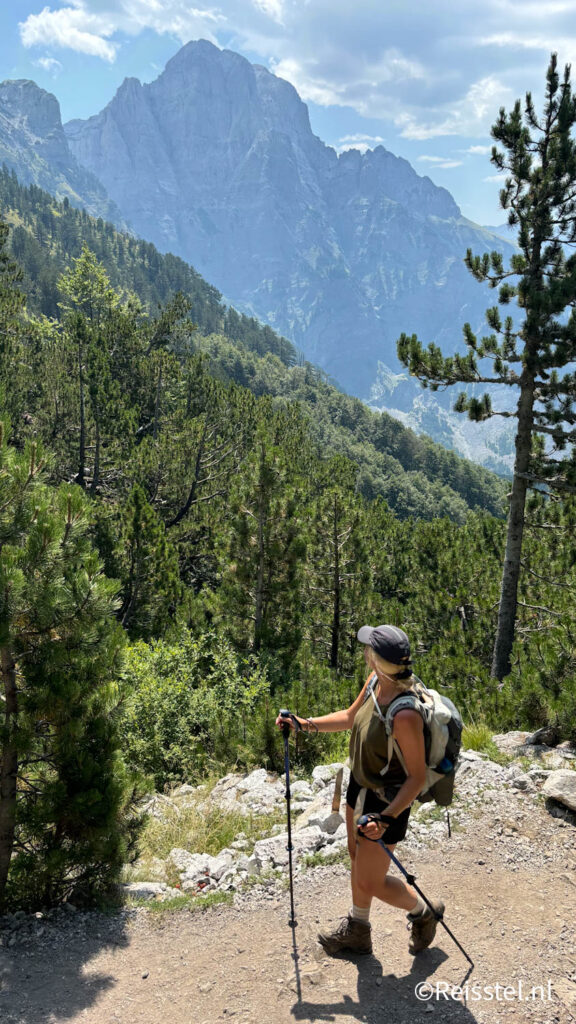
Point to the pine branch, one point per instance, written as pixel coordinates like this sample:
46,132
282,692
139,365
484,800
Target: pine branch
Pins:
539,608
545,579
557,482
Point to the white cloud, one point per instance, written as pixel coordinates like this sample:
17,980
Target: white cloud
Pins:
361,137
443,163
311,90
363,88
518,40
497,179
72,27
87,26
49,64
359,141
479,150
273,8
470,116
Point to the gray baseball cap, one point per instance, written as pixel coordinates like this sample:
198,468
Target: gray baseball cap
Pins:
388,642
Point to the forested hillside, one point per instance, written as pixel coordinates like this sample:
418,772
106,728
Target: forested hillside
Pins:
414,475
192,529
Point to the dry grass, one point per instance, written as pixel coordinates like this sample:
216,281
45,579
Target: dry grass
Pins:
201,827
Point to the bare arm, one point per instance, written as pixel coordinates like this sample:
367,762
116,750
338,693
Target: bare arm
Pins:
337,721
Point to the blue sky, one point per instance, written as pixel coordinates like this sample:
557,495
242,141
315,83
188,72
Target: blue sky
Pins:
424,79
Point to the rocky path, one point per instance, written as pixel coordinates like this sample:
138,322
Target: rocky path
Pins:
508,878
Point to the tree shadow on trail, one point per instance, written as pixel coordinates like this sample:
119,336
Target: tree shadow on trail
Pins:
388,997
47,977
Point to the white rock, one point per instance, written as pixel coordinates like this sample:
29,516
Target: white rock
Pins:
302,789
253,865
320,806
252,781
240,844
258,791
555,759
188,863
217,866
274,850
149,890
341,833
511,742
228,880
516,778
324,773
298,806
196,882
161,808
329,823
340,843
184,790
561,786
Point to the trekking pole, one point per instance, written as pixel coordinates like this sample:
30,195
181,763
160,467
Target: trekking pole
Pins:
411,879
286,732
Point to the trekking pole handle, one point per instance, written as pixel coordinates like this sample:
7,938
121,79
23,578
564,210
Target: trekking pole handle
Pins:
387,819
287,715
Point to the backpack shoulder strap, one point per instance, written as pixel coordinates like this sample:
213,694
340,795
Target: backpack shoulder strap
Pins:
409,700
413,701
373,679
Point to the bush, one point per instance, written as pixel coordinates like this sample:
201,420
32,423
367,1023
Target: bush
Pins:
193,706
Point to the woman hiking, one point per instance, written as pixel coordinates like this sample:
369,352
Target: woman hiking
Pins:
387,654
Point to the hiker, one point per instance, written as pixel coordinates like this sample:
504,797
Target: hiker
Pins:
387,654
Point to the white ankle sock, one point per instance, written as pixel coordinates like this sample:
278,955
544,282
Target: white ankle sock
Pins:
418,909
360,914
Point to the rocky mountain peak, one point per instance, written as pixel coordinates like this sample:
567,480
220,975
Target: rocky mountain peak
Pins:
216,161
35,110
33,144
224,83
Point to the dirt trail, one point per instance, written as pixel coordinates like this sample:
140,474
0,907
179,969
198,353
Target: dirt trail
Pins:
510,899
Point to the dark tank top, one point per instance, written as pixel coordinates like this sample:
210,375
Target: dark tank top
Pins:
369,751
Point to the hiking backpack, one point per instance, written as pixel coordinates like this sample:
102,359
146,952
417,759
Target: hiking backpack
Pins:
442,737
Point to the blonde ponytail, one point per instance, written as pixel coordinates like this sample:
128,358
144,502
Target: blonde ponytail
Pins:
401,674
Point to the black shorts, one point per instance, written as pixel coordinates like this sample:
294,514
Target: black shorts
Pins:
373,804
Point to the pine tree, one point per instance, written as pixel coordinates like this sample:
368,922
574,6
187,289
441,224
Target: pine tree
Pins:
147,564
532,356
62,783
262,552
99,332
338,574
12,303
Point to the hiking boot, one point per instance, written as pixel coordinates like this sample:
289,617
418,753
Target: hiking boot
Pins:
424,927
350,934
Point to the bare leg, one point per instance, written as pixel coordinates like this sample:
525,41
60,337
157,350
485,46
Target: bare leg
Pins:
370,878
360,898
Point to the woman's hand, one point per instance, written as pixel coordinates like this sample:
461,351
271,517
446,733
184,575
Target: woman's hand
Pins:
291,720
374,829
